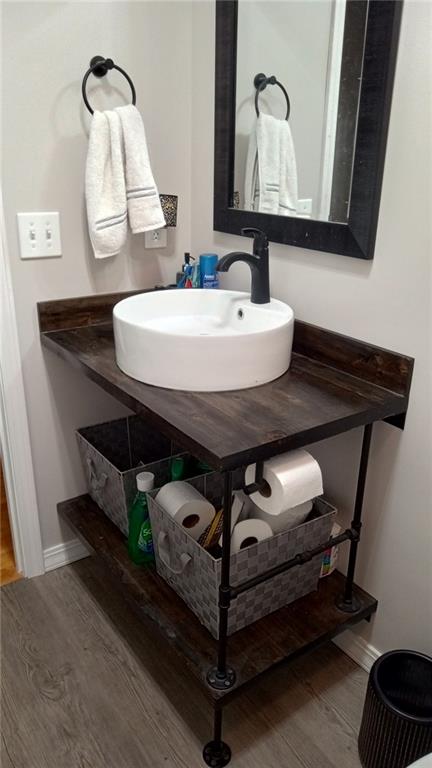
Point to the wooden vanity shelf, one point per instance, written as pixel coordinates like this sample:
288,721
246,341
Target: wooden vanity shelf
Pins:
283,635
334,384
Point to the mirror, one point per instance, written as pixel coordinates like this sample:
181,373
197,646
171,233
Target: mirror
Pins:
318,82
303,90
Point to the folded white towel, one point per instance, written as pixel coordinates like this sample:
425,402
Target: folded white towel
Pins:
144,208
105,186
251,189
269,155
288,188
271,169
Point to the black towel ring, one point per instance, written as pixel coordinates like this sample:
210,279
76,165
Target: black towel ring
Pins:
99,66
261,82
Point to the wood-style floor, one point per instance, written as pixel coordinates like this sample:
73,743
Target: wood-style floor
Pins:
8,571
84,688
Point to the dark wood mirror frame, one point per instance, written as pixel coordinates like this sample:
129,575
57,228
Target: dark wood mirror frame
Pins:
357,237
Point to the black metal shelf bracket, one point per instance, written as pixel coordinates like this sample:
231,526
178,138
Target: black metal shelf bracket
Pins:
347,602
260,484
216,753
221,677
300,559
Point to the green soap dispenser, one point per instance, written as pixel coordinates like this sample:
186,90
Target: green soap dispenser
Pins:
140,541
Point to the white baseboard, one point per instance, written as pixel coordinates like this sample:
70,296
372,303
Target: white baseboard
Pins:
63,554
358,649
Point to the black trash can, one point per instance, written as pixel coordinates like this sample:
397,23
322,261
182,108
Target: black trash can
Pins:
396,727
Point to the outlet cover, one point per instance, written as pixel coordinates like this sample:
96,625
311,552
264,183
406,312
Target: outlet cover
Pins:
39,235
156,238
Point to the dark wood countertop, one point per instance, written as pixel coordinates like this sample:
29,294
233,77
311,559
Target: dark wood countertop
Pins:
334,384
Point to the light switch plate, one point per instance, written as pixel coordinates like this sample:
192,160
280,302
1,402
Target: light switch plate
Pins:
39,235
156,238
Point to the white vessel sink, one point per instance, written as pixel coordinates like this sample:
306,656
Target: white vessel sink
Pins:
202,340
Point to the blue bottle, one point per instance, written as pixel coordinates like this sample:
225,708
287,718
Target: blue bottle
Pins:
209,276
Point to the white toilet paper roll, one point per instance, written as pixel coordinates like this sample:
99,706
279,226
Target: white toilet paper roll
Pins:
249,532
292,478
187,506
240,500
284,521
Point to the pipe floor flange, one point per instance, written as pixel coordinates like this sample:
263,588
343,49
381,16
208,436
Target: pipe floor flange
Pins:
348,606
216,754
219,682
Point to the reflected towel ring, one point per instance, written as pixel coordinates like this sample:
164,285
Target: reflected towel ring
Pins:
261,82
99,66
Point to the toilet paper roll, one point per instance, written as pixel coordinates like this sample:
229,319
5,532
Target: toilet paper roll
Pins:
286,520
249,532
292,479
187,506
239,503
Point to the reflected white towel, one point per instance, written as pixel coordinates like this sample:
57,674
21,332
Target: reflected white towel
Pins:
271,169
143,203
288,188
251,190
105,186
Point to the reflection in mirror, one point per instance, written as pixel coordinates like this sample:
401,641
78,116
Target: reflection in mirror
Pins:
300,166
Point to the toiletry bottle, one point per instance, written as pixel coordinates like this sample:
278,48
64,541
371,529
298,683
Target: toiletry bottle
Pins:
209,276
196,276
181,276
188,272
177,468
140,541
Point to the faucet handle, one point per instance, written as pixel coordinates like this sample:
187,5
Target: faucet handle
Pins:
260,237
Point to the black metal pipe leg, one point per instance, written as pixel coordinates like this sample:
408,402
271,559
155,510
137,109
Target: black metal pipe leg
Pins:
347,602
216,753
221,676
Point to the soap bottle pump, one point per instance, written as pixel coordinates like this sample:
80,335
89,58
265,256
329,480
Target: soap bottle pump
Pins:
184,279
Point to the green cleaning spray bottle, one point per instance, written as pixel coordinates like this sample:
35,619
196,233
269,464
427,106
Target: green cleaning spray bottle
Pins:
140,541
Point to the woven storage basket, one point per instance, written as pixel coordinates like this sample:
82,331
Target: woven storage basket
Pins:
113,454
195,575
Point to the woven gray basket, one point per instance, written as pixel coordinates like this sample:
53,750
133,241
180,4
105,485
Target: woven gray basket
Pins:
195,575
113,454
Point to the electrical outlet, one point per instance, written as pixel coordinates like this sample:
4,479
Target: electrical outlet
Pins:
39,235
156,238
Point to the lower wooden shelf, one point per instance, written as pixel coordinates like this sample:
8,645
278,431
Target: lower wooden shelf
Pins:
279,637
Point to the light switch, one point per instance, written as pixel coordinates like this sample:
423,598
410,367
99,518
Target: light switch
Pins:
39,235
156,238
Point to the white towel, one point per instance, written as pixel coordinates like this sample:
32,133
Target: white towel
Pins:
251,189
271,169
288,188
105,186
144,208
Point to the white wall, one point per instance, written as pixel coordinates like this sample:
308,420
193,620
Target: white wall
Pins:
290,40
386,302
46,49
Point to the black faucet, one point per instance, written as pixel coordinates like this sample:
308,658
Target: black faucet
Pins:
258,262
